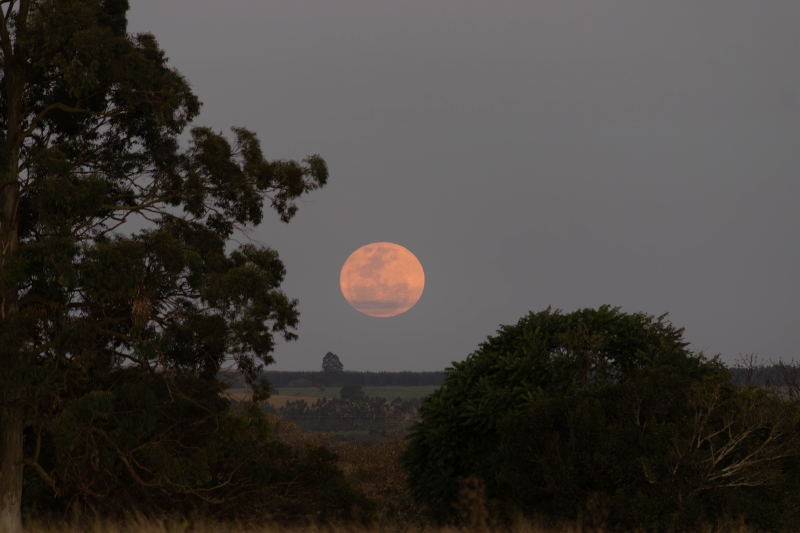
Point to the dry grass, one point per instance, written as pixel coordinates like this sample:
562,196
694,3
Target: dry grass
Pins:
136,525
375,470
280,401
291,434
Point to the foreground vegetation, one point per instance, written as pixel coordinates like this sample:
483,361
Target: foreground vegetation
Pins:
625,430
377,472
137,525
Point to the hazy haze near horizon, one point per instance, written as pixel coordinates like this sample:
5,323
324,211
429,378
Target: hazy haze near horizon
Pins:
530,154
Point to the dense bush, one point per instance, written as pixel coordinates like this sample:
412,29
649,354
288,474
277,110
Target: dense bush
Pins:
656,451
545,357
351,392
129,449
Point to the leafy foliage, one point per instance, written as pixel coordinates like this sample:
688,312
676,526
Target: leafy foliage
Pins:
237,464
545,355
111,341
659,451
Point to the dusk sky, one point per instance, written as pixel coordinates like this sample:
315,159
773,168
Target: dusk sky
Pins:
643,154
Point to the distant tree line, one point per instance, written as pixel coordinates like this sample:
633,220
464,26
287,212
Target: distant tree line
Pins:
749,370
365,379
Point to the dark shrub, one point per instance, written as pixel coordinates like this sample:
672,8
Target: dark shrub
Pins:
657,451
351,392
547,358
230,463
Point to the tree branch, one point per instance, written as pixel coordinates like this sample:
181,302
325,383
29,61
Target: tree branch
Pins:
63,107
5,38
44,475
33,462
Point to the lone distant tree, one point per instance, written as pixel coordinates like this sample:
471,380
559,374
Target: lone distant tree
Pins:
331,363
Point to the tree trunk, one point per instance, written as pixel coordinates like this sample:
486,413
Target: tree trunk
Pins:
11,416
10,471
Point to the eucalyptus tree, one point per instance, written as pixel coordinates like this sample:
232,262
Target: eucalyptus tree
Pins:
91,124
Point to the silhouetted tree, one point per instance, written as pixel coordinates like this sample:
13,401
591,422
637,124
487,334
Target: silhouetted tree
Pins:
111,343
546,354
331,363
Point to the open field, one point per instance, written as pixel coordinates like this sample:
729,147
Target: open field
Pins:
281,400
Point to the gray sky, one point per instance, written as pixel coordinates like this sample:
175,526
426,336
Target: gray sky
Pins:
644,154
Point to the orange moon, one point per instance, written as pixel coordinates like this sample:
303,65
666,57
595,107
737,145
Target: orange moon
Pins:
382,279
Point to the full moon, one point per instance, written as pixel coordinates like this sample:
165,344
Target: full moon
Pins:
382,279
